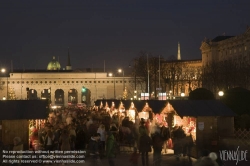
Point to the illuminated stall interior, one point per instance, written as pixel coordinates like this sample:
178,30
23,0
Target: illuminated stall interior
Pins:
144,114
132,112
187,123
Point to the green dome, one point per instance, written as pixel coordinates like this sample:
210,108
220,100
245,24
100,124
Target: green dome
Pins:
54,65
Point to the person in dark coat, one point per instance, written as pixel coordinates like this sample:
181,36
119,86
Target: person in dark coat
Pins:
178,134
158,142
93,148
145,147
80,139
165,133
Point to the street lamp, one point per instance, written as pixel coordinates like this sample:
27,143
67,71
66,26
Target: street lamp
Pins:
3,70
122,71
135,95
221,93
182,95
113,75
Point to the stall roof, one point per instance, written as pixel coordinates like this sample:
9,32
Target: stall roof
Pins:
156,105
23,109
182,107
201,108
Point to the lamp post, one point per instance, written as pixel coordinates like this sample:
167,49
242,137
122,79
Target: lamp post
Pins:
122,71
135,92
113,75
3,70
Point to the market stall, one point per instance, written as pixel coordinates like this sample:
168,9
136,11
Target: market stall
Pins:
201,120
19,116
204,120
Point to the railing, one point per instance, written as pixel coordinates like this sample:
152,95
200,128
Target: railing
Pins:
243,136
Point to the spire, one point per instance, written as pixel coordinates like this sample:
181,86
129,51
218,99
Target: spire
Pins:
68,67
179,52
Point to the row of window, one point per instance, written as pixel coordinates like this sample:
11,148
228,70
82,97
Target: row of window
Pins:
32,82
234,50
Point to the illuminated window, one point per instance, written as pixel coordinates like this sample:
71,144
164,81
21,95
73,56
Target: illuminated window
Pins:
245,48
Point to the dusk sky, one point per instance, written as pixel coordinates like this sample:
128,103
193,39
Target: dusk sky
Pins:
33,31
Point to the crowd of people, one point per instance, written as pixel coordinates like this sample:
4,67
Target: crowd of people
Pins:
76,129
99,132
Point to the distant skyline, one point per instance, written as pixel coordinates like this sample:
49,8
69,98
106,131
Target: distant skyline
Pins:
32,32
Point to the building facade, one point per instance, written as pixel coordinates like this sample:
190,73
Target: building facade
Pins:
66,87
182,76
226,61
223,48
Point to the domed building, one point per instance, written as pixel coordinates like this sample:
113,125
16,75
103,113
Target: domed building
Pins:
54,64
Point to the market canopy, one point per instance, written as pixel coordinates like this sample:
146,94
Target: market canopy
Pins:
155,105
182,107
23,109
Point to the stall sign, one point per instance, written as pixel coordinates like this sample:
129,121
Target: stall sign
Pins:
201,125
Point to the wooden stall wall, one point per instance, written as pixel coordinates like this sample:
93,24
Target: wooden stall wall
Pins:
225,127
206,137
15,128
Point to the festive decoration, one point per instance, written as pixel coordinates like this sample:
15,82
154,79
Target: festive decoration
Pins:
125,94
